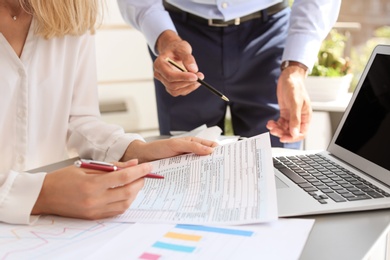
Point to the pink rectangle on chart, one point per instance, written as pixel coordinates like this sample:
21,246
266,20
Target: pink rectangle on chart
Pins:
148,256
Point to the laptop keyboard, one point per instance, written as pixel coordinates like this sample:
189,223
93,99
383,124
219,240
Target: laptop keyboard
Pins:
324,180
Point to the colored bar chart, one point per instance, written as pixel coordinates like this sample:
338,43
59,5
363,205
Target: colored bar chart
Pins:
188,239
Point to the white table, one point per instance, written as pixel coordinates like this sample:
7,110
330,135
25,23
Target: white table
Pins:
338,105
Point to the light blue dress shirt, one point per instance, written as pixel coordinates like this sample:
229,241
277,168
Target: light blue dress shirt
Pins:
310,20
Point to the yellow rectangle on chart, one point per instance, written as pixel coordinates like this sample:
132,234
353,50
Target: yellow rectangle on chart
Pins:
181,236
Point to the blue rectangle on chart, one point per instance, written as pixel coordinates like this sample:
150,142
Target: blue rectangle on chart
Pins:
227,231
173,247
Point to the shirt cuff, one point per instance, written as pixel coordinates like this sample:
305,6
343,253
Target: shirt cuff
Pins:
118,148
154,24
307,51
19,194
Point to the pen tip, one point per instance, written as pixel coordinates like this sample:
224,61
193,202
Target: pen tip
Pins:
225,98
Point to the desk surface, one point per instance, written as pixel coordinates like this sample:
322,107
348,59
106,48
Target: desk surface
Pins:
338,105
346,235
334,236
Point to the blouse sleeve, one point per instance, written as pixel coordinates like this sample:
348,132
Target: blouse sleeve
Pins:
88,135
18,194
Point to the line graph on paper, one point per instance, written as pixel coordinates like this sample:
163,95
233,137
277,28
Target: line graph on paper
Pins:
54,237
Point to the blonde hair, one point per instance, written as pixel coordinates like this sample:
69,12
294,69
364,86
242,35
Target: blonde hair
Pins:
56,18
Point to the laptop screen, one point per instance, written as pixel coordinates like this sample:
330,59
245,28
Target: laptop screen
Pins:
366,129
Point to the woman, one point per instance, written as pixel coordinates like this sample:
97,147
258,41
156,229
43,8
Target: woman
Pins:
49,110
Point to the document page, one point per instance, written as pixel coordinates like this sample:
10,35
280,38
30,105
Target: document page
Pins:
282,239
53,237
233,185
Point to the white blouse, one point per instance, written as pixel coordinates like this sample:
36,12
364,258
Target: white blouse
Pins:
48,112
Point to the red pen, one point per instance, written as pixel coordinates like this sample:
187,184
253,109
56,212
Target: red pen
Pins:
107,167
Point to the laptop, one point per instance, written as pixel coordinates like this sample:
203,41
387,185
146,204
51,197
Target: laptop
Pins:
353,174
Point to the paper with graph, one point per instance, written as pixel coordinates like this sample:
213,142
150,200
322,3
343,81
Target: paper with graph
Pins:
233,185
60,238
54,237
282,239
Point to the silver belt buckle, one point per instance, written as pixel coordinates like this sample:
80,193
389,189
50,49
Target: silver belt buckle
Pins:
237,21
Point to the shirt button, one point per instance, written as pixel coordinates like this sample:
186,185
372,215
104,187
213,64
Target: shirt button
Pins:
20,162
225,5
21,113
21,159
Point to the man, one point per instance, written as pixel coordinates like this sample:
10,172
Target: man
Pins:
257,53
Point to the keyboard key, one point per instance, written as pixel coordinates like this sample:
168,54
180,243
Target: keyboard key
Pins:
374,194
292,175
363,197
336,197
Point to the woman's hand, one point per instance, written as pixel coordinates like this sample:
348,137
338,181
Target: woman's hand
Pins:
146,152
90,194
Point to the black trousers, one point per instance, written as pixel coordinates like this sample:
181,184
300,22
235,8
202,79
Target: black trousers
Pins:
243,62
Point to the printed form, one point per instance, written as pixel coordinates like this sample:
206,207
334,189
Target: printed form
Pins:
233,185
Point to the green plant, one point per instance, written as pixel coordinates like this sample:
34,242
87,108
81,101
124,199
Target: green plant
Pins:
331,62
383,32
228,127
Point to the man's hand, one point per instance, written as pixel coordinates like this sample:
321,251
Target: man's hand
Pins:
295,108
177,83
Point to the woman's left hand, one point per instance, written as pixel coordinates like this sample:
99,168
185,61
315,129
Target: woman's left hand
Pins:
165,148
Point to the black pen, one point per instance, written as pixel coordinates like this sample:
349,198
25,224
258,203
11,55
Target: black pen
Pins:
216,92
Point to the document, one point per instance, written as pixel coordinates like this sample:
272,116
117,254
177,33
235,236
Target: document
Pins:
233,185
282,239
212,133
53,237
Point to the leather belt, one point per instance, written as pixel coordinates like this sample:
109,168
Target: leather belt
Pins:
237,21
